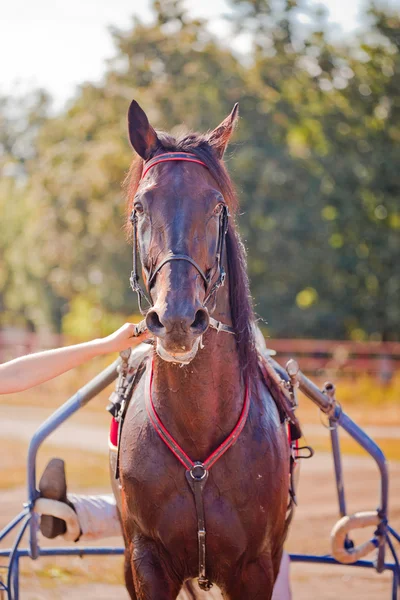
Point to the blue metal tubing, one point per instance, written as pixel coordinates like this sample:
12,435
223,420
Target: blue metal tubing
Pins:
366,564
394,533
315,394
77,401
337,461
15,578
13,523
3,587
393,551
336,414
373,450
13,562
395,586
89,551
329,560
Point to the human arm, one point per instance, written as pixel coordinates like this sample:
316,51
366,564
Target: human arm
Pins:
27,371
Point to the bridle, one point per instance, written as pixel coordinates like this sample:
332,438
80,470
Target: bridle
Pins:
210,287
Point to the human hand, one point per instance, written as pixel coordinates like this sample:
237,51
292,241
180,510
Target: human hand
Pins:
121,339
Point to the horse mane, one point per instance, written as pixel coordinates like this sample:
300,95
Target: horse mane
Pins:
239,290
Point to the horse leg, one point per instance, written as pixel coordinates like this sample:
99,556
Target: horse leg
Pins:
128,575
256,581
151,576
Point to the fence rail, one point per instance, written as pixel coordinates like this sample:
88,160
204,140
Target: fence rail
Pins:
342,356
315,356
17,342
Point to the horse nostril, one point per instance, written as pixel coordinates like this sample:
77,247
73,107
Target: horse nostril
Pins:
201,321
154,324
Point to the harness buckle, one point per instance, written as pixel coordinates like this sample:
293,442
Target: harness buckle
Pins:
133,280
204,584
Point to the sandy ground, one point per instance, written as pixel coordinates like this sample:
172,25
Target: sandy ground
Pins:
93,436
101,578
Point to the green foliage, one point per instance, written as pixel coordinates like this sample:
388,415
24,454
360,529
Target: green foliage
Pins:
315,159
87,319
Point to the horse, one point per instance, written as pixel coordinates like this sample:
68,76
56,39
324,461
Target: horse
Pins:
203,454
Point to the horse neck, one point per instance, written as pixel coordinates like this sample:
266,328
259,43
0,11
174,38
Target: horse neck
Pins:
200,403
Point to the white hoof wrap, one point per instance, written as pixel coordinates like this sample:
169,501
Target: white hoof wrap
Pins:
343,527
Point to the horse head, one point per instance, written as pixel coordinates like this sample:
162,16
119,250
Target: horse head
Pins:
180,218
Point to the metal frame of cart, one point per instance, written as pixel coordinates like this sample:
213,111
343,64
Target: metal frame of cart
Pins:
325,400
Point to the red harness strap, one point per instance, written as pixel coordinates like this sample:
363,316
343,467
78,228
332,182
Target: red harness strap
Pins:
197,472
161,158
173,445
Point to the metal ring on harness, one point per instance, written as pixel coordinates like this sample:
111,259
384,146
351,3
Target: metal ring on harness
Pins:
200,466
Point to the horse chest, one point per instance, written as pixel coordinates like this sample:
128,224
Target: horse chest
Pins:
162,505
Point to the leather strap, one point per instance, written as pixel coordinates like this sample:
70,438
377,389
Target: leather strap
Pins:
219,326
173,445
125,401
197,478
168,156
171,257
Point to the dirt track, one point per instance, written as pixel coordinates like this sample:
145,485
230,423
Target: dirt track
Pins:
315,516
93,437
100,578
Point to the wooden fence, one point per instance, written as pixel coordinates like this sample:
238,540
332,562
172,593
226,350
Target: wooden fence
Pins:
314,356
340,356
17,342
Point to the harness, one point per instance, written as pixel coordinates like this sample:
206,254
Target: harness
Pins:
196,472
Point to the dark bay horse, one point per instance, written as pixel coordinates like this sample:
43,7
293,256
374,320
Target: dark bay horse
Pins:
200,385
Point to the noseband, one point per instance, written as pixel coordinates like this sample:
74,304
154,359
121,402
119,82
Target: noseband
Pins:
211,289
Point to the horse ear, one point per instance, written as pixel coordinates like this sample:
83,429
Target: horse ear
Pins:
141,134
220,136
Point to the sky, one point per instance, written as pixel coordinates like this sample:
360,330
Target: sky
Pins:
57,44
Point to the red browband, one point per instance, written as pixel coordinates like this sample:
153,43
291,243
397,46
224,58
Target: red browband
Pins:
161,158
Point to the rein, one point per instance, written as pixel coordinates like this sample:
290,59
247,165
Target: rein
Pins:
211,289
197,471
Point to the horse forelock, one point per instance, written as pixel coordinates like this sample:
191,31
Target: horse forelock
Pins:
239,289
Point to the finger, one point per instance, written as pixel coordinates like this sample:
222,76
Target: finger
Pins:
128,330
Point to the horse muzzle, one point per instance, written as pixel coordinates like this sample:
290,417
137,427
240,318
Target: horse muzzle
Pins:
178,333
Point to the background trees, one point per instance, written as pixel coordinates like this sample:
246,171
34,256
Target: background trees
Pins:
314,158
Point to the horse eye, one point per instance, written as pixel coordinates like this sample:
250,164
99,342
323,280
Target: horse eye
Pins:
218,209
139,208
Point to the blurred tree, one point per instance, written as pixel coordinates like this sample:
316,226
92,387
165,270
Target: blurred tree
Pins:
315,161
173,68
321,180
25,298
